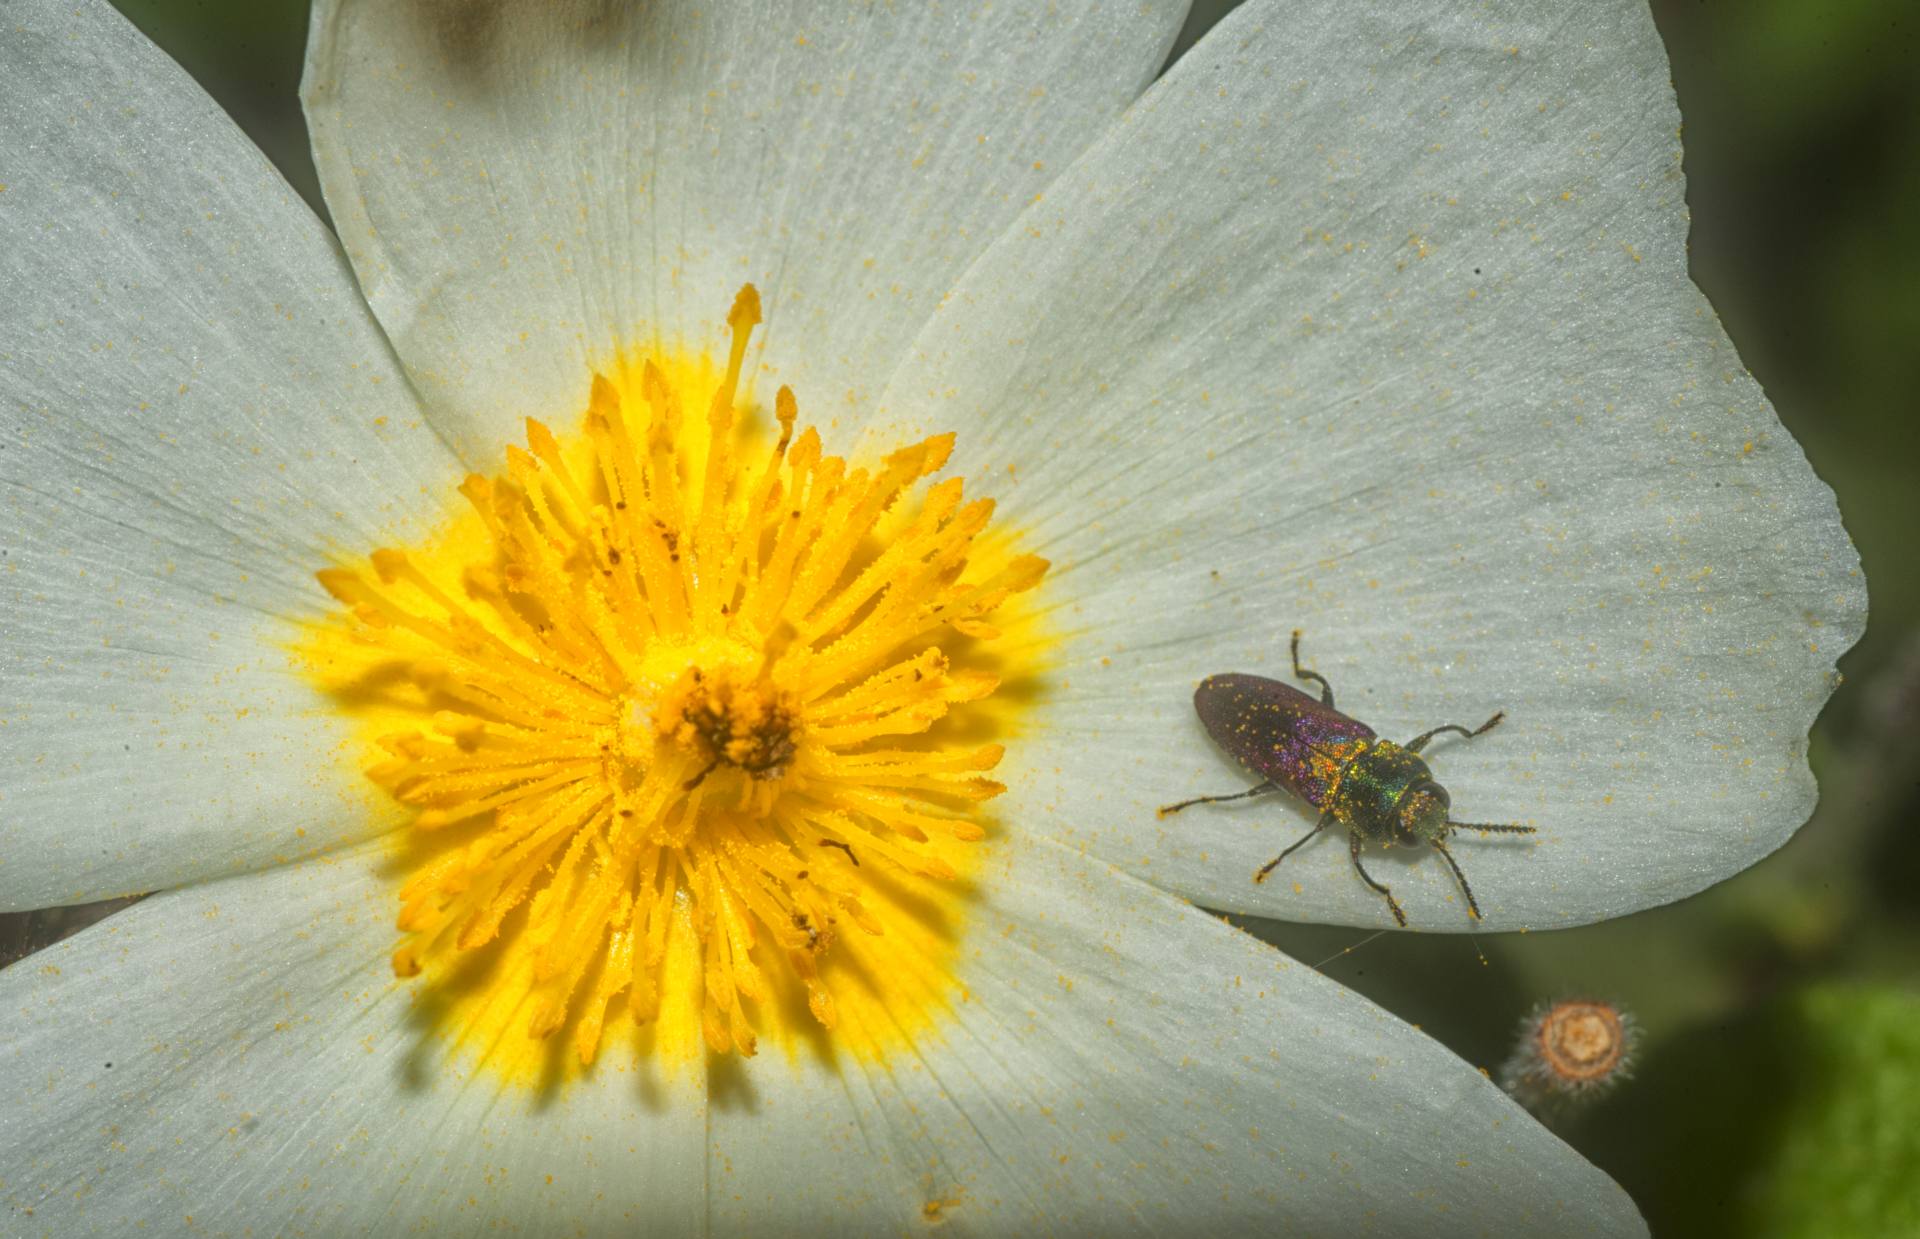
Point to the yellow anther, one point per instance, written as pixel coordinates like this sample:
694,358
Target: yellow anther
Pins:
672,705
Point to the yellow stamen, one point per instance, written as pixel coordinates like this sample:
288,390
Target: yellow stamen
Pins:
673,715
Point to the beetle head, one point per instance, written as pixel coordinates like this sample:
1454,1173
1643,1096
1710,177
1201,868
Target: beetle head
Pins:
1422,815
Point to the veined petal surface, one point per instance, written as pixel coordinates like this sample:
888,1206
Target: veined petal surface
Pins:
1375,322
1116,1063
198,410
1121,1063
240,1051
526,188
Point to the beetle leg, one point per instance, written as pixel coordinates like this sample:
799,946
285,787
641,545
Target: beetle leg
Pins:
1301,673
1483,728
1393,905
1167,809
1318,826
1466,890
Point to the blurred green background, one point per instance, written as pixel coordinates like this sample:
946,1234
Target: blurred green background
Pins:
1777,1089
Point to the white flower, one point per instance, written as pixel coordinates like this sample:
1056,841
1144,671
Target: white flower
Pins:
1372,322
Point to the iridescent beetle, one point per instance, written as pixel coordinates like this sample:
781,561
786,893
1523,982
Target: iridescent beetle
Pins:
1380,791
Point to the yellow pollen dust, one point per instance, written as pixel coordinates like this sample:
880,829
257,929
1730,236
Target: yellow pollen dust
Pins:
685,724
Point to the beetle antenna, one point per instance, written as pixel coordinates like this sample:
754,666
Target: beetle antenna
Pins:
1488,827
1466,890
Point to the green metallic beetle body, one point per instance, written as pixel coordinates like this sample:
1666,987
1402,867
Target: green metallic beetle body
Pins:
1380,791
1387,793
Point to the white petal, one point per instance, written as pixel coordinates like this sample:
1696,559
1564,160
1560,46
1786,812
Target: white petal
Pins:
525,188
1120,1063
198,411
239,1052
1125,1064
1375,322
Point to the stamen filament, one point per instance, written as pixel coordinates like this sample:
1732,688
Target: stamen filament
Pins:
663,687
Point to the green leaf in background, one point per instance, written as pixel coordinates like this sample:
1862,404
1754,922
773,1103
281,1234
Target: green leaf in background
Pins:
1848,1161
1796,1122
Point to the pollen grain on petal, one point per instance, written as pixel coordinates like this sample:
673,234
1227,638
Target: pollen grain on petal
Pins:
693,721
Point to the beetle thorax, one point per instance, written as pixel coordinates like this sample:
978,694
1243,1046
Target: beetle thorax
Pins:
1388,795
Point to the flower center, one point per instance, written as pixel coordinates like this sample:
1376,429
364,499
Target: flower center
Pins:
673,715
1582,1041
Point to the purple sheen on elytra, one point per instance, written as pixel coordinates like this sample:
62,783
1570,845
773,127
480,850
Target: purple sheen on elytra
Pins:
1279,732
